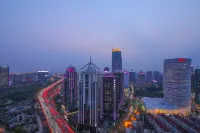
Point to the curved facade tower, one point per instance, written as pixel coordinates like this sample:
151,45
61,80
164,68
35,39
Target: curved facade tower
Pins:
177,81
70,88
89,95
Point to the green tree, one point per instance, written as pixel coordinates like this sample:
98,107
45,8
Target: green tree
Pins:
19,130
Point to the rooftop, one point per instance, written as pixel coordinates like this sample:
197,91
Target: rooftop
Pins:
187,122
157,103
90,67
173,123
116,50
159,123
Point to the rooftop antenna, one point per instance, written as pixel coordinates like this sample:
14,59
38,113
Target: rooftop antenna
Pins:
90,58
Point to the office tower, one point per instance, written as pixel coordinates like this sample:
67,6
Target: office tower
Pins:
197,85
149,76
120,88
89,95
70,88
193,81
116,59
132,77
156,76
126,79
192,68
108,97
177,81
141,78
4,76
43,75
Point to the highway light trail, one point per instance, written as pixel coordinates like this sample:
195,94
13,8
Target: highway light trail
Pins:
55,122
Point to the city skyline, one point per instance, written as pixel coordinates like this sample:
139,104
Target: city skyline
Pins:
51,35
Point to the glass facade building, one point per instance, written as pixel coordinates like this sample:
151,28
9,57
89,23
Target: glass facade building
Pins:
177,81
116,60
70,88
108,97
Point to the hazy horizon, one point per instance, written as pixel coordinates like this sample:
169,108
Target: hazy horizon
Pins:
51,35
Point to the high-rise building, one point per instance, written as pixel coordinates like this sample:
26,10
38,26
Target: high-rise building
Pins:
132,78
149,76
70,88
108,97
177,81
192,68
126,79
4,76
116,60
120,88
197,85
156,76
141,78
43,75
89,95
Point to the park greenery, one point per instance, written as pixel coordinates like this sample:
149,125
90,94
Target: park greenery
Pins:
149,92
21,93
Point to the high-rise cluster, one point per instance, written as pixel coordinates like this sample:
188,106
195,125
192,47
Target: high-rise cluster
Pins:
100,94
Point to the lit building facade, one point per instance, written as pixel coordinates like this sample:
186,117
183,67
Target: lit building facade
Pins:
89,95
177,81
116,60
108,97
4,76
119,88
43,75
70,88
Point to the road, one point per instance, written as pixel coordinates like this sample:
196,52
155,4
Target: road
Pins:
56,123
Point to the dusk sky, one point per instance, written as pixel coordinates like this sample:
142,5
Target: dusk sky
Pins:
51,35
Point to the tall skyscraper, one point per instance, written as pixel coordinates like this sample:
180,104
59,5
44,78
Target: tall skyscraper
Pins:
116,60
132,78
177,81
197,81
108,97
70,88
4,76
126,79
89,95
120,88
149,76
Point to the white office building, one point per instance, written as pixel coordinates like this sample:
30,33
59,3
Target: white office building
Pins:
89,95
